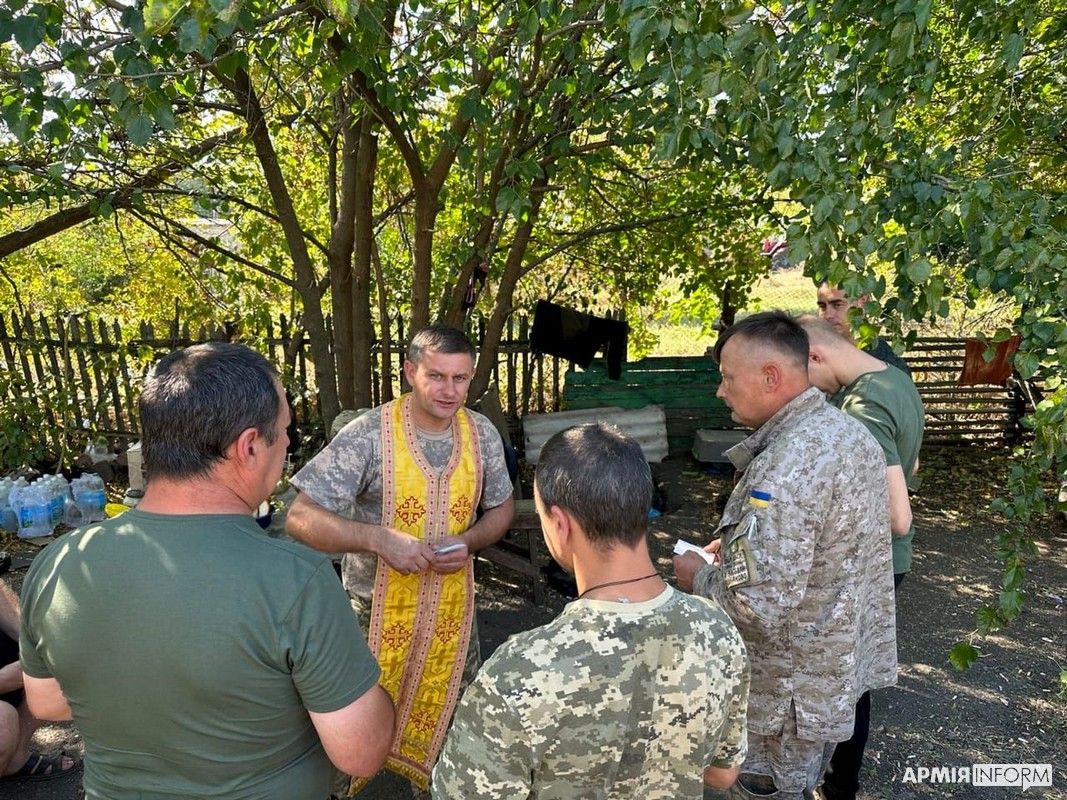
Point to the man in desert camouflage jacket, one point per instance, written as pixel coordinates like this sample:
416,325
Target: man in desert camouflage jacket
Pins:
804,567
635,690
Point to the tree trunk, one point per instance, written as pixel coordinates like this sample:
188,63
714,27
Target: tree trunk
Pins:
342,241
426,208
362,323
505,291
386,325
304,271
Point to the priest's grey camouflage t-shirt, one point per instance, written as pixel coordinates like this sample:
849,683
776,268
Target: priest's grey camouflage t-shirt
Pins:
609,700
346,478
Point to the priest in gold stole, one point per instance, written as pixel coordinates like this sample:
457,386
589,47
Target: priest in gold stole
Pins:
398,491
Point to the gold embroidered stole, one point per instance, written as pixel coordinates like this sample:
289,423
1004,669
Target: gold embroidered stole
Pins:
421,623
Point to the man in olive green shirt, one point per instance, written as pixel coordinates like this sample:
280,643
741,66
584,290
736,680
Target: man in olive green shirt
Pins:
886,401
198,656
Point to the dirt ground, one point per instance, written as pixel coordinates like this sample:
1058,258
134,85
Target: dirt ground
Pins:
1006,709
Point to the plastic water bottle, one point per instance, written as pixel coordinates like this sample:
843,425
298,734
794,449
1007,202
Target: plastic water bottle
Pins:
8,521
90,496
32,507
58,489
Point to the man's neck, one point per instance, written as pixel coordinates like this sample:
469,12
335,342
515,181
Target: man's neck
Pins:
208,495
619,566
853,363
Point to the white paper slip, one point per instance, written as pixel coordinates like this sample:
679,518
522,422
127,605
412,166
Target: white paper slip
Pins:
682,546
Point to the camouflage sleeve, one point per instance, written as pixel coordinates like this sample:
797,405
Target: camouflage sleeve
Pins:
732,743
342,470
496,486
762,582
487,752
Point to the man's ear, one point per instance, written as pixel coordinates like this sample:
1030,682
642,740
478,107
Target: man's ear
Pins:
772,376
815,355
563,523
409,372
246,446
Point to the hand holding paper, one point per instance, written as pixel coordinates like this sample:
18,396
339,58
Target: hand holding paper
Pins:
682,546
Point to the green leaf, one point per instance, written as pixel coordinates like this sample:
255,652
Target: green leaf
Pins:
919,271
1011,603
963,655
823,209
164,116
139,129
159,14
988,620
190,36
29,32
1013,50
117,93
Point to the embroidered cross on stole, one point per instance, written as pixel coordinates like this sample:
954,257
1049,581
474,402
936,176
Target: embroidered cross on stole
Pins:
421,623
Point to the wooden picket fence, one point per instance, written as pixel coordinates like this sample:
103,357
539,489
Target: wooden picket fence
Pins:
83,376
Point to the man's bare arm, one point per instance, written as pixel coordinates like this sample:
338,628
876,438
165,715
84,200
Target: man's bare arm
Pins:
491,527
45,699
323,530
900,516
721,778
10,616
357,737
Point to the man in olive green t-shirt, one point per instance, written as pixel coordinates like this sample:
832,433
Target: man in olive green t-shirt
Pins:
886,401
198,656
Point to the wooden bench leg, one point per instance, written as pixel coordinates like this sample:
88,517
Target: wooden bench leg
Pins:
535,559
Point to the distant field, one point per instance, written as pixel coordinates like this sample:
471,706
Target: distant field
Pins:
680,340
787,290
792,292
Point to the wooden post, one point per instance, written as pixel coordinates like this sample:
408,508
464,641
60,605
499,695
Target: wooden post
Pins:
513,400
112,383
127,387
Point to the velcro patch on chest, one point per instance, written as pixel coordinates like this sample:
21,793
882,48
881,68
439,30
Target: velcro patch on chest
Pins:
739,566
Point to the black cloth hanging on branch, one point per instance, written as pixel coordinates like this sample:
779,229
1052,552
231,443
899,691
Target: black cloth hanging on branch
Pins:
576,336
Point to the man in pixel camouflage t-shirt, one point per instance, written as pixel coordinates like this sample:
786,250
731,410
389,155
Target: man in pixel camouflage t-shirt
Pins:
635,690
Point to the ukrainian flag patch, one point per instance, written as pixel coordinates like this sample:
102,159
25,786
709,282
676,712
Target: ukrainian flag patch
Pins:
759,499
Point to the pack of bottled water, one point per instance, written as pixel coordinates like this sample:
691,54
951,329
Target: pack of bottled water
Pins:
8,520
89,497
35,509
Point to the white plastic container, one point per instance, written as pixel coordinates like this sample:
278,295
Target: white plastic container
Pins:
133,461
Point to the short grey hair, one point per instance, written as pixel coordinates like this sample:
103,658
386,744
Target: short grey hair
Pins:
440,339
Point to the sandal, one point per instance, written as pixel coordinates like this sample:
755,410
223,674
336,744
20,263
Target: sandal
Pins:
39,767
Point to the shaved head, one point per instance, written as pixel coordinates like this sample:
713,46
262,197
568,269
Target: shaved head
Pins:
822,333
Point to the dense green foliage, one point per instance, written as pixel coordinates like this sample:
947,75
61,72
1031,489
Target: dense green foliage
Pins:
383,156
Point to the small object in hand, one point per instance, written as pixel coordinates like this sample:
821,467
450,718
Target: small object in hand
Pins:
682,546
445,549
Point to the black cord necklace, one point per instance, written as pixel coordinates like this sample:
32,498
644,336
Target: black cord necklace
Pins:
617,583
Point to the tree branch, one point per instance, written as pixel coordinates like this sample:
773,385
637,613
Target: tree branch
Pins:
120,198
